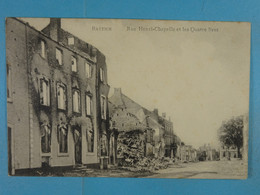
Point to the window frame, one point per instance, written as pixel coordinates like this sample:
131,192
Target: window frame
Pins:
61,85
61,53
79,100
67,140
101,75
88,95
88,66
76,63
44,80
43,51
69,42
103,98
46,153
93,142
9,94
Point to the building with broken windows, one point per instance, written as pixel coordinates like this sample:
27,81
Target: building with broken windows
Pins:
128,118
141,133
158,139
168,135
57,95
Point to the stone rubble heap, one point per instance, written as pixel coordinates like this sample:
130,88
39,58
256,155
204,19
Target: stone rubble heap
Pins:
131,152
130,147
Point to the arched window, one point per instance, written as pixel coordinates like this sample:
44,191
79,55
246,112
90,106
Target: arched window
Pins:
102,75
44,92
63,138
88,70
88,105
9,81
103,107
90,140
45,138
43,48
103,145
74,67
59,56
76,100
61,96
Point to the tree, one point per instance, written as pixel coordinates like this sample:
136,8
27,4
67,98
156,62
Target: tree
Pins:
231,133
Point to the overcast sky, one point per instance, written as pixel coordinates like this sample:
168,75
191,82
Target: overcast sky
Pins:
198,78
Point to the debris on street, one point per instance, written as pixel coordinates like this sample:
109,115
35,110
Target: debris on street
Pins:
131,152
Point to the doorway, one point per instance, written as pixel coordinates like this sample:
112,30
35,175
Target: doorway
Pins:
10,167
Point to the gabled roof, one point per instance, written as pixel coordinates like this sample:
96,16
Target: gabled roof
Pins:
153,123
120,100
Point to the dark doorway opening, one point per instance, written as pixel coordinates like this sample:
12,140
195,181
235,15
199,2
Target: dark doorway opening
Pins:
9,150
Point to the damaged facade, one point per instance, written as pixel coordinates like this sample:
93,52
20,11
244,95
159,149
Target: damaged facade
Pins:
139,129
185,153
168,135
57,98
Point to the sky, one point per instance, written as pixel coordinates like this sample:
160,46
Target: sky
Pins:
197,75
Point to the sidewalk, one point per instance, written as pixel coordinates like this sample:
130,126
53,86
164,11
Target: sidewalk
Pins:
83,171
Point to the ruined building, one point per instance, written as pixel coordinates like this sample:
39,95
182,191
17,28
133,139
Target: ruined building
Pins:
147,133
168,135
57,98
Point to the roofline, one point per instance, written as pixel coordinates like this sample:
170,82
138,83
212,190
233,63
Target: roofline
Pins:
76,37
141,107
59,43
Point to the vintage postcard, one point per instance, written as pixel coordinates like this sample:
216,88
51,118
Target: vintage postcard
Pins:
127,98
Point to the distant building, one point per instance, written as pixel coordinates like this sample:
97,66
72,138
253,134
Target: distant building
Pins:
57,97
228,153
182,153
186,153
193,155
207,153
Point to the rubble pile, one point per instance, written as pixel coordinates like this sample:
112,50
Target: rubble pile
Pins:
131,152
130,148
152,164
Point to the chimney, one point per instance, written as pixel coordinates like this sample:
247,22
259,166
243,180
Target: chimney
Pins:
55,26
155,111
164,115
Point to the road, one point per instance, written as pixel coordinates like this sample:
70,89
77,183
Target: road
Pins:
235,169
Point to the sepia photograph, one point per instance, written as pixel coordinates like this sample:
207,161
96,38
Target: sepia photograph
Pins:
127,98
